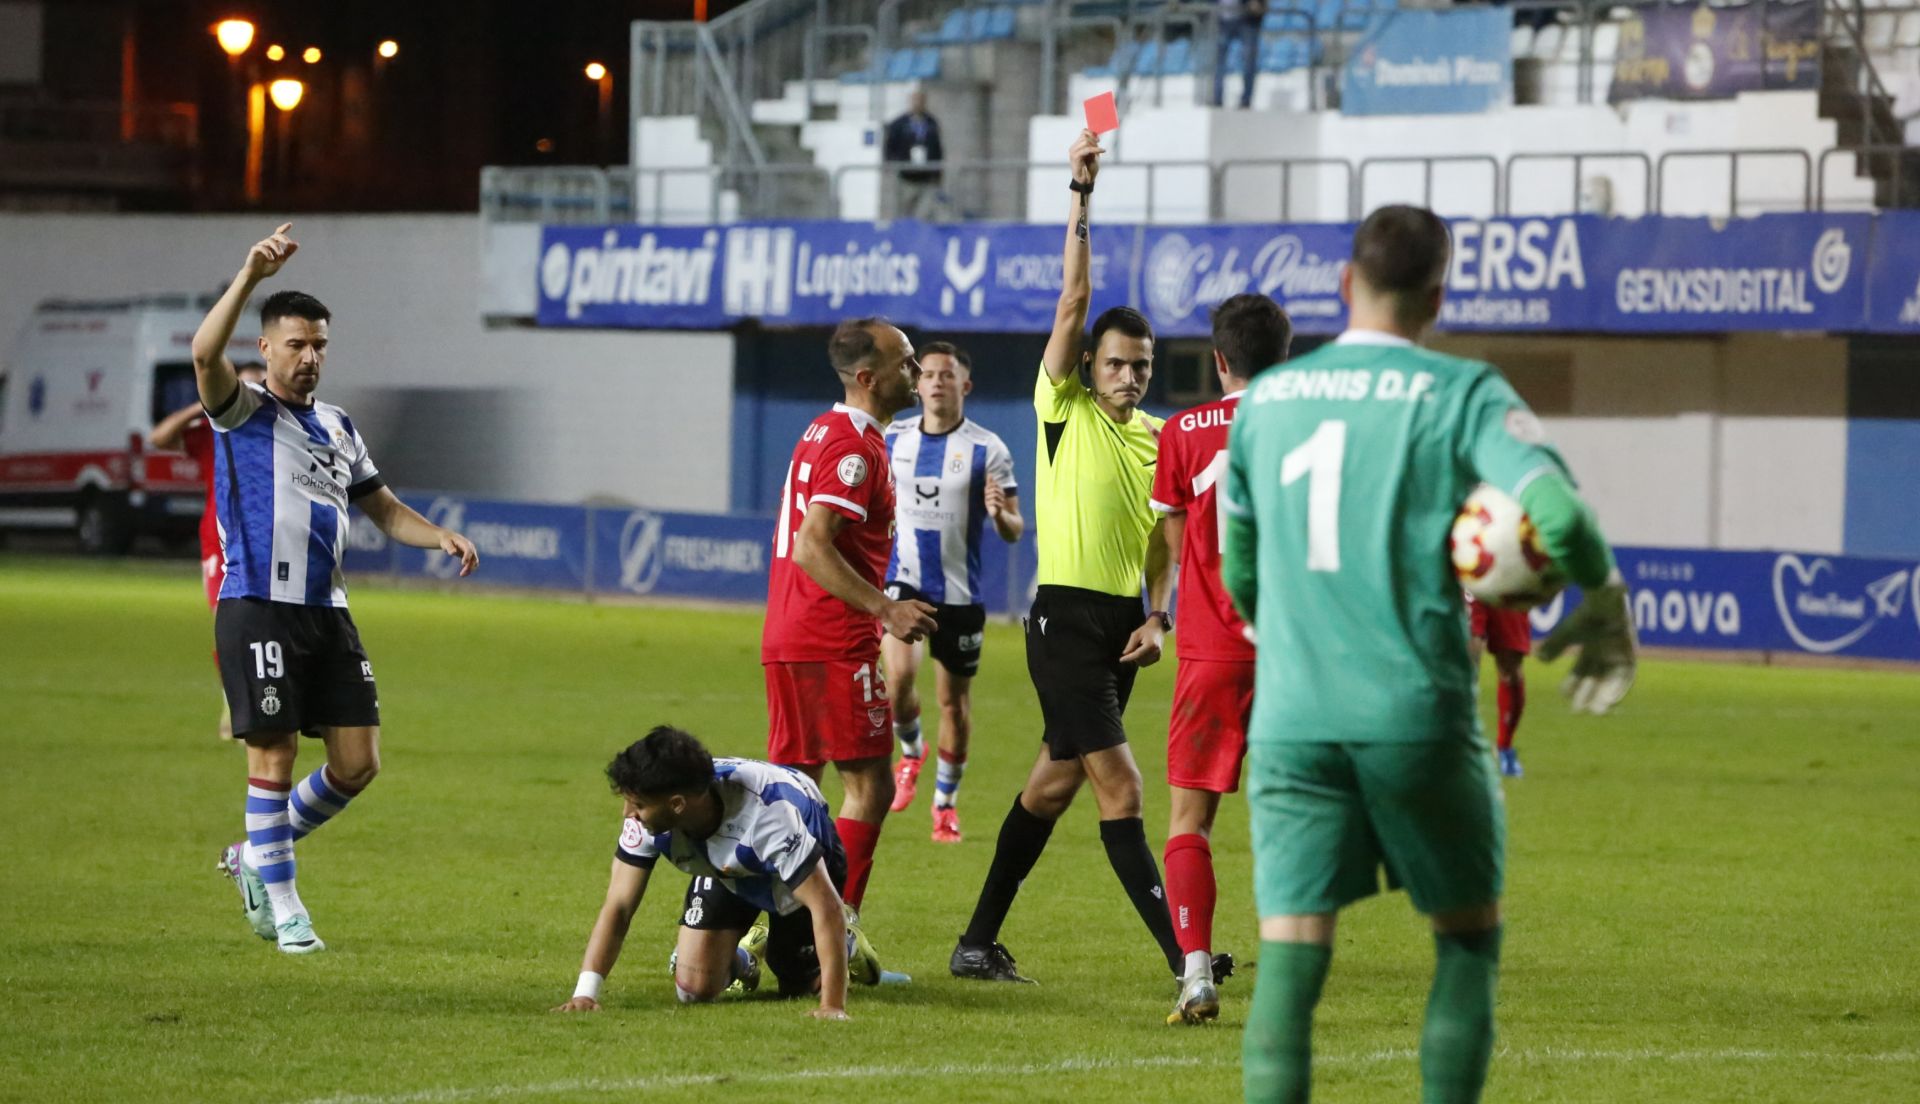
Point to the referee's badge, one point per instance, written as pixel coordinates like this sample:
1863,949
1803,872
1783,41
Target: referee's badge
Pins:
853,471
270,701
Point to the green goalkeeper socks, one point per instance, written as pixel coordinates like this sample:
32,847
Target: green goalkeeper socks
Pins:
1276,1051
1458,1038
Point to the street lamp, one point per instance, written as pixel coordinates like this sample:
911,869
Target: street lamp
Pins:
310,55
388,49
234,36
276,52
286,93
597,73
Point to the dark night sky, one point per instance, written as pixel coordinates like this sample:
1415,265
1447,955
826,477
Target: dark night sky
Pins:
477,82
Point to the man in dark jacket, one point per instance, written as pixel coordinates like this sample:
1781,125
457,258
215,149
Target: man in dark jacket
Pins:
913,143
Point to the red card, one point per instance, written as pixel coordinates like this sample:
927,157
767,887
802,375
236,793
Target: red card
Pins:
1103,114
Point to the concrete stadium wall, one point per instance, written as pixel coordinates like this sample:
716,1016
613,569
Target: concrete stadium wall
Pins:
445,401
1737,442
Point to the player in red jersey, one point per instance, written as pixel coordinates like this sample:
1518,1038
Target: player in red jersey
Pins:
1509,636
826,696
188,430
1213,691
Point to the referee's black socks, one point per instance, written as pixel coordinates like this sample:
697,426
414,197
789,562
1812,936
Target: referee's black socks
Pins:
1022,837
1132,859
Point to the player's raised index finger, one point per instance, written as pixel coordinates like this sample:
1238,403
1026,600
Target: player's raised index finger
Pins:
284,227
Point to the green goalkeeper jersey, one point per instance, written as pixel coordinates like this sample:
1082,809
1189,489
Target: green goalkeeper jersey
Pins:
1348,466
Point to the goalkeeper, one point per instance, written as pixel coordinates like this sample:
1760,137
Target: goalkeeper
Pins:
1344,472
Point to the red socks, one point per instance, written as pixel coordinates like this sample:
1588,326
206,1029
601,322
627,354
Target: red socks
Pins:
1191,891
1513,702
859,838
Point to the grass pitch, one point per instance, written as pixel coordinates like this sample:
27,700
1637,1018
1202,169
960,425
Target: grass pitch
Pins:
1714,895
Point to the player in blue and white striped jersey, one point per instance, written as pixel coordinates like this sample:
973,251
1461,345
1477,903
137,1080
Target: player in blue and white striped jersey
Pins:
757,838
285,469
951,478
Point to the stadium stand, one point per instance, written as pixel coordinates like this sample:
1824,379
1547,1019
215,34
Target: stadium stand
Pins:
785,113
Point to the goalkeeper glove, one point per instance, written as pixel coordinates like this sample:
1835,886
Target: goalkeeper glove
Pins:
1602,628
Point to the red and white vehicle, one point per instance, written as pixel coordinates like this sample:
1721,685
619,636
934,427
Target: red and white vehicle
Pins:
80,391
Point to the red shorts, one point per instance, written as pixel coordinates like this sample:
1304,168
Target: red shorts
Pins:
1212,700
1505,631
827,712
213,573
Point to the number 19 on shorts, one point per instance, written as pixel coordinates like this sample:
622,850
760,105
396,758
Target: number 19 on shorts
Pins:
268,660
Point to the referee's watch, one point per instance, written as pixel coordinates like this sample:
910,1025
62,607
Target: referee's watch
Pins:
1166,619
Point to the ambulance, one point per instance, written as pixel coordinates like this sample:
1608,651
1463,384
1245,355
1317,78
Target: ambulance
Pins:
80,391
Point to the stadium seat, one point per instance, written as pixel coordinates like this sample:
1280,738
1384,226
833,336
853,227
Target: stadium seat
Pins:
1120,62
1177,59
1001,25
1909,33
952,29
979,21
1147,60
926,63
900,65
1522,41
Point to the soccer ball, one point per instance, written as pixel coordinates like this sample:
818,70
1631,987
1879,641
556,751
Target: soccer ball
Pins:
1497,553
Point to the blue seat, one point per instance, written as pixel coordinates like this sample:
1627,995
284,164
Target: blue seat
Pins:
1001,25
952,29
1146,61
979,23
1120,61
926,63
1177,58
900,66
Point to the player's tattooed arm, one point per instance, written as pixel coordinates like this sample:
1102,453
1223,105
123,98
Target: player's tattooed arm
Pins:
212,371
1062,357
625,887
829,941
815,553
405,524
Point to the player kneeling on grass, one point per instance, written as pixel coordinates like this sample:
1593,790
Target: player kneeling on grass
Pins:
756,838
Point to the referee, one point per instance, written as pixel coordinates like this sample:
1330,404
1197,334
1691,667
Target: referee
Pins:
1087,635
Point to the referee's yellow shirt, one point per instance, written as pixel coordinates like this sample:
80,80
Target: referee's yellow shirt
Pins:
1091,511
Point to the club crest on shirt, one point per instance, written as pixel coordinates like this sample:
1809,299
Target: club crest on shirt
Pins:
853,471
270,700
630,834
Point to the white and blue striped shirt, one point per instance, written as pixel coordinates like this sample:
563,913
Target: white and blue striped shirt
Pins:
940,513
283,476
774,827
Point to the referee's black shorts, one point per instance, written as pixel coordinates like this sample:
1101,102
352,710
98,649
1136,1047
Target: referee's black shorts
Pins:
1074,641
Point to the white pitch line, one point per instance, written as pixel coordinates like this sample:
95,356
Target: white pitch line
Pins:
1539,1056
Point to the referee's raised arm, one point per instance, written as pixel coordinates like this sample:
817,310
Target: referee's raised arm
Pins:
1062,357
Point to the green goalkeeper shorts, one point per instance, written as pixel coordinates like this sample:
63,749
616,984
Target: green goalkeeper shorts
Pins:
1328,819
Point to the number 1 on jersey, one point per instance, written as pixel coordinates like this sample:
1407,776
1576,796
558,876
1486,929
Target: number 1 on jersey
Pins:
1319,458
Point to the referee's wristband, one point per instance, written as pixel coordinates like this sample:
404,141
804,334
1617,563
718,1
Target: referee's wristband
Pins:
589,985
1083,189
